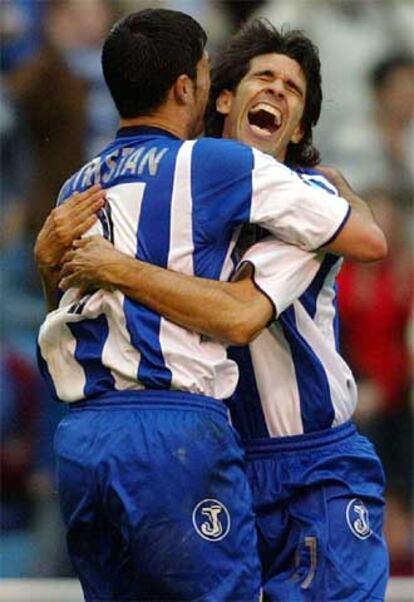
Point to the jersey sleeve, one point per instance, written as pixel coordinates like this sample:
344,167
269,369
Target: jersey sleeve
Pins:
64,193
281,271
299,214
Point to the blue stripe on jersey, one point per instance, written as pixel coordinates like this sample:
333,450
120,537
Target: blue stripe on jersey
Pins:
317,184
337,321
153,241
317,181
310,296
210,224
144,328
251,421
90,338
316,406
44,371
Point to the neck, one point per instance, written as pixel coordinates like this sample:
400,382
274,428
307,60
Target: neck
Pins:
163,121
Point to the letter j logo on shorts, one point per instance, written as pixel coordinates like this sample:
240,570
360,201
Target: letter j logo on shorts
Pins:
211,519
357,517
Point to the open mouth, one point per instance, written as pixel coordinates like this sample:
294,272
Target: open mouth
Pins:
265,117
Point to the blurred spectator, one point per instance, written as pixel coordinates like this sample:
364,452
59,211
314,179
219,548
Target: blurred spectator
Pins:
19,410
61,94
385,137
20,31
240,10
211,14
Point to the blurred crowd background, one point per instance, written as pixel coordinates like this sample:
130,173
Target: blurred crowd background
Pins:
55,113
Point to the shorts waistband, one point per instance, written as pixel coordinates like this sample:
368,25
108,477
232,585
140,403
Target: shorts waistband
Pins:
151,399
266,447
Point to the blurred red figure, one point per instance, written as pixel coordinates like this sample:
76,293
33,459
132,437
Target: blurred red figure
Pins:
19,411
375,307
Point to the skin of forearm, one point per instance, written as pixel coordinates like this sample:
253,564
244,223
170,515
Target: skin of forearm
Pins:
50,278
233,313
357,204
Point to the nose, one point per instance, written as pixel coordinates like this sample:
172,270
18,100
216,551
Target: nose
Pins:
277,87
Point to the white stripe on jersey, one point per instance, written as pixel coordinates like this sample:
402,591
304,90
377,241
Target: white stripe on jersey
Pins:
118,354
125,201
58,346
274,372
325,305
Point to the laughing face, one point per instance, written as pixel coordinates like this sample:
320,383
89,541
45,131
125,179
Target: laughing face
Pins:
266,108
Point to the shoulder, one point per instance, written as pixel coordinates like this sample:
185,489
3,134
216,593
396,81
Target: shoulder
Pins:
223,155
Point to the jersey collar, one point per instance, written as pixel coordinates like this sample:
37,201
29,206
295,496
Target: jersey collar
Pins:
143,130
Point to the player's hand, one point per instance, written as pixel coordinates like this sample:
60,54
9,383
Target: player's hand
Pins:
336,178
65,224
87,265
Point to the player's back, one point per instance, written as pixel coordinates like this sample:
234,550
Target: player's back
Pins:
159,209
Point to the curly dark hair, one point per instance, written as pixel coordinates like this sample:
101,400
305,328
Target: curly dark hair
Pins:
261,37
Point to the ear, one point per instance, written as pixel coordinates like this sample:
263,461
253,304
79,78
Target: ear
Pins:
224,102
297,134
183,89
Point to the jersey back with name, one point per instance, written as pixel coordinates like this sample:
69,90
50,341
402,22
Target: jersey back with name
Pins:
179,205
293,379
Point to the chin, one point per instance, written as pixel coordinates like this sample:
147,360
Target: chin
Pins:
262,146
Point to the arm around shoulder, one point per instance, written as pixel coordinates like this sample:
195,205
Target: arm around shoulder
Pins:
360,238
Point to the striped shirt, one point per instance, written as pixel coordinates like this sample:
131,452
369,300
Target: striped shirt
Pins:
180,205
293,379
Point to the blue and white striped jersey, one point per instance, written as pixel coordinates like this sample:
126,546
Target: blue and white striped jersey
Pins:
293,379
180,205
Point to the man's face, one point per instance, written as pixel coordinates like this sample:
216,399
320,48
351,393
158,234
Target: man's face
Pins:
201,92
266,109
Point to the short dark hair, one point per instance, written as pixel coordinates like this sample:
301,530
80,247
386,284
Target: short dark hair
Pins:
144,54
384,68
261,37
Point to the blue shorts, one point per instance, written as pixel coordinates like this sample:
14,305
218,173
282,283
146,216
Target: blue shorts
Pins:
156,501
320,512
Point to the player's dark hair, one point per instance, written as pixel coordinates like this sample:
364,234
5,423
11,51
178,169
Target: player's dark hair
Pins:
261,37
144,54
384,68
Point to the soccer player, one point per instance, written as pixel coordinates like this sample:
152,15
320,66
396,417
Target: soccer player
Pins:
150,475
317,483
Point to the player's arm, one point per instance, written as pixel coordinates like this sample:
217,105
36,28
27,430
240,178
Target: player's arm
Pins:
233,312
361,238
311,218
63,225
